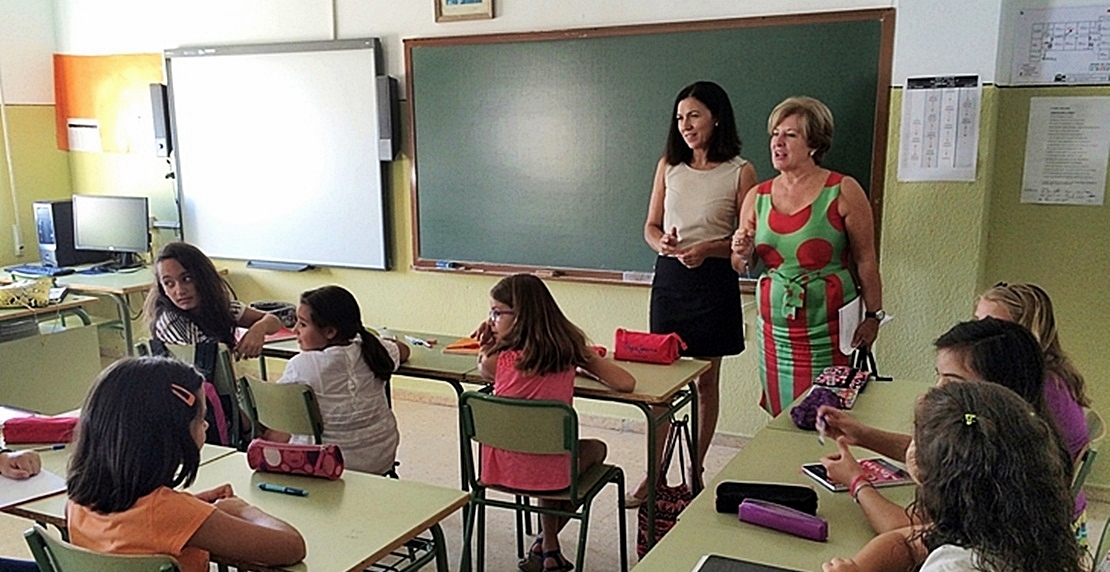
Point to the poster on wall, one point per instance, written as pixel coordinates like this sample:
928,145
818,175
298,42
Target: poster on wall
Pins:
940,128
1066,151
1062,45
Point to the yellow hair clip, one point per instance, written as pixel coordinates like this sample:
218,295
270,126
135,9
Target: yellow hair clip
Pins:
970,418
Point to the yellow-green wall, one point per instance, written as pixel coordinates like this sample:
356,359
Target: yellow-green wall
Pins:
41,173
1065,249
941,244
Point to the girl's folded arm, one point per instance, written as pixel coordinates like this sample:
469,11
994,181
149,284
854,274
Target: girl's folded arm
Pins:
610,373
239,531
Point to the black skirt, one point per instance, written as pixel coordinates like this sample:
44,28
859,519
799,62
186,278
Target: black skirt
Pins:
702,305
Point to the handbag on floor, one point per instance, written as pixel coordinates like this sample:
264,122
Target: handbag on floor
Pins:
669,501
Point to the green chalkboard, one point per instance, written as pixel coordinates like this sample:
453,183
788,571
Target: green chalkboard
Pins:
537,151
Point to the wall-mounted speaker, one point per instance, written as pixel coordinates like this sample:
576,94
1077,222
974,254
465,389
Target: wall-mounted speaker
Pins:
389,118
160,111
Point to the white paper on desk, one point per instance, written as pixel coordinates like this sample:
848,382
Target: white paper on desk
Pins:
851,314
44,484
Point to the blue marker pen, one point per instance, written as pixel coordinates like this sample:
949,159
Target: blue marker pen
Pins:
285,490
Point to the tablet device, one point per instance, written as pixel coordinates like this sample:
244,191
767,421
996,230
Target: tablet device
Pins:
881,472
718,563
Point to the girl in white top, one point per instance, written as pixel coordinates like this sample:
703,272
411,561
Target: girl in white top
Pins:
348,368
993,492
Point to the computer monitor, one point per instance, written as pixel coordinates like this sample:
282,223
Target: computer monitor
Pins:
116,224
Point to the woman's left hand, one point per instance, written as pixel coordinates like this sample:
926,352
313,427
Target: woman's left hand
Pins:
693,256
866,332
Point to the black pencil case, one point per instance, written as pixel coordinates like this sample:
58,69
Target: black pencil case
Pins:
731,493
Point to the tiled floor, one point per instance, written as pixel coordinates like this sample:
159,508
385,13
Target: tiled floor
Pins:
429,453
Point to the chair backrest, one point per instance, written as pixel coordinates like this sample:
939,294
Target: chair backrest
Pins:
223,372
288,407
1083,466
1096,428
53,555
520,425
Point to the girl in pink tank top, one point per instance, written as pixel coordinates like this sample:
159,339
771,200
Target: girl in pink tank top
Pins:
531,351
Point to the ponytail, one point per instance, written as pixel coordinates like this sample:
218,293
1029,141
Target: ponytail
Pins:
375,355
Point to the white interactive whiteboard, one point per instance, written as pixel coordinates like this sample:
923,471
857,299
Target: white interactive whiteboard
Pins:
276,147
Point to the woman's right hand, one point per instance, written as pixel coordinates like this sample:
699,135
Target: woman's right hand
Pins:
742,242
668,243
841,466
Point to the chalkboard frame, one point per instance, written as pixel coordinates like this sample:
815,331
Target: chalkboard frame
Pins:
874,186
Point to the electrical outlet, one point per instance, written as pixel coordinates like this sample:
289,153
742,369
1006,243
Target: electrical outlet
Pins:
17,240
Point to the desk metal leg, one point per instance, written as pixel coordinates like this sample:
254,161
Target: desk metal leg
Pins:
653,423
440,548
124,310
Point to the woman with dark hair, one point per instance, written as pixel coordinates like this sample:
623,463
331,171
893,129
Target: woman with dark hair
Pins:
190,303
813,231
348,368
695,200
138,441
993,496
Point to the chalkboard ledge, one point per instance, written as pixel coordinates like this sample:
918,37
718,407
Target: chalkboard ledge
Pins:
747,285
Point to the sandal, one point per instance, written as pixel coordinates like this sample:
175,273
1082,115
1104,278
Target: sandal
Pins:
533,562
563,564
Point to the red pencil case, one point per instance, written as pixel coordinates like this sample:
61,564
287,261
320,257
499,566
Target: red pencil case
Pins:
651,348
37,429
784,519
324,461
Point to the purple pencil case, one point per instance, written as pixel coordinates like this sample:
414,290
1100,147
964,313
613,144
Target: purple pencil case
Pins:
784,519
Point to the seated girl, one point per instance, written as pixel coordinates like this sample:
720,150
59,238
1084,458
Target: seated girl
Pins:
348,368
531,351
993,494
190,303
138,442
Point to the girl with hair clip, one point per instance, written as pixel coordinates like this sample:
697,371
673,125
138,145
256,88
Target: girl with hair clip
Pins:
531,351
348,368
190,303
139,439
992,494
995,351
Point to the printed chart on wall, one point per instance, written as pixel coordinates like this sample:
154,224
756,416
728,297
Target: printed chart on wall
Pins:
940,128
1066,151
1062,45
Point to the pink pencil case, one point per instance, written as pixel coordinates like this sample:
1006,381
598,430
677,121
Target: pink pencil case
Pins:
784,519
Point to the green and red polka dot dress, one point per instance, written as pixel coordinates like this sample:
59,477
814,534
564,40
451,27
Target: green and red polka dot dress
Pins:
808,279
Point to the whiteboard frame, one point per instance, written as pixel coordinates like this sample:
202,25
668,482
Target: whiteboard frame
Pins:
331,204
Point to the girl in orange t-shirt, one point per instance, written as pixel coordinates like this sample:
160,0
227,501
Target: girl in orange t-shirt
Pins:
531,351
138,439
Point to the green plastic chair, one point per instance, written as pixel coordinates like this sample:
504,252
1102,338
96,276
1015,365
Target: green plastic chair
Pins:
552,428
53,555
288,407
1096,431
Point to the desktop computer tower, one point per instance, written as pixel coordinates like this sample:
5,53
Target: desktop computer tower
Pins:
54,226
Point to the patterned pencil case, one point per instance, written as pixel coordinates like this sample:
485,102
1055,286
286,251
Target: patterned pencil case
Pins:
324,461
784,519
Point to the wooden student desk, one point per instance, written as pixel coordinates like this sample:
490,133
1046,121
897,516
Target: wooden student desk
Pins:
347,524
776,455
667,388
118,287
51,371
884,404
771,456
52,510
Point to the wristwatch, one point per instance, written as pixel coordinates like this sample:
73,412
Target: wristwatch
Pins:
877,314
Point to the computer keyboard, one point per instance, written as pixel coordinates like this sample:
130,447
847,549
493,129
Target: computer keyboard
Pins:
39,270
